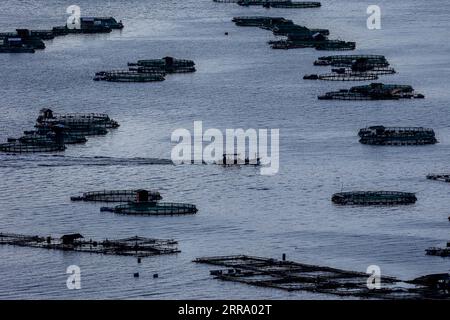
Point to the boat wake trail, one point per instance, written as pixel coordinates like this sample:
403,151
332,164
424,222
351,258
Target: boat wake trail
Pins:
11,161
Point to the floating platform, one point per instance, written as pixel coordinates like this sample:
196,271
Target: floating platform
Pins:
118,196
444,177
152,208
397,136
294,276
374,91
373,198
134,246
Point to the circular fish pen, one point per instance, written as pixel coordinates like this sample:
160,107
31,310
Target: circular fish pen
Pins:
153,208
15,147
342,77
369,198
128,76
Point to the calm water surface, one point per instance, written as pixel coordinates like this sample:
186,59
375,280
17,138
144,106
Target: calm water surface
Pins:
240,82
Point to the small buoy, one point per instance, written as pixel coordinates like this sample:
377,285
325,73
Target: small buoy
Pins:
155,275
136,274
139,260
226,33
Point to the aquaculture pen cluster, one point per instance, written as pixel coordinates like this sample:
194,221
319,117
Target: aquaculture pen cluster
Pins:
352,68
28,41
53,131
294,276
137,202
133,246
296,36
147,70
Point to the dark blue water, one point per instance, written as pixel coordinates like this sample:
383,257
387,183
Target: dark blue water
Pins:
240,82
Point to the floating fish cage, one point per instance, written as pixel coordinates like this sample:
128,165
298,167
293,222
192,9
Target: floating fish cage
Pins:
439,177
63,30
358,71
36,138
351,76
43,34
16,49
153,208
47,115
336,45
259,21
22,37
397,136
107,22
292,4
440,252
349,60
17,147
294,276
374,198
139,69
279,3
374,91
119,196
295,31
237,159
330,45
74,127
166,64
134,246
366,69
129,76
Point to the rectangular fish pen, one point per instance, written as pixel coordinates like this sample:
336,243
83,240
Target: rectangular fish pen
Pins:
294,276
133,246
